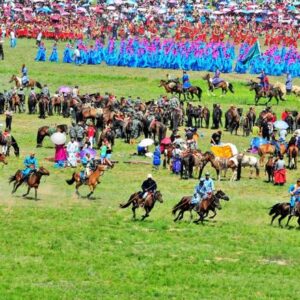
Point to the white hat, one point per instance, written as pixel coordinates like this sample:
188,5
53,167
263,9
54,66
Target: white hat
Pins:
149,176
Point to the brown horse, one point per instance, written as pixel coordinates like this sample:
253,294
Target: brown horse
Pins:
158,129
18,81
92,181
185,205
223,85
48,131
33,180
3,159
206,203
269,149
175,90
147,203
292,153
57,101
15,102
270,167
279,209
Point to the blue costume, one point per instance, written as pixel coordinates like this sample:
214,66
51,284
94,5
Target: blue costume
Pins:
216,79
24,76
186,81
156,157
209,185
199,193
54,55
31,164
41,54
296,197
67,55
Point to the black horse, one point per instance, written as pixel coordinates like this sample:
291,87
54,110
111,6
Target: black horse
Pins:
10,143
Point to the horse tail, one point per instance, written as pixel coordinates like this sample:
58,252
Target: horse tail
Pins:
274,209
12,178
177,206
132,197
38,85
72,180
230,86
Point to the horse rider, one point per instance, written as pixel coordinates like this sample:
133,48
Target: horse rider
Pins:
172,81
289,83
88,164
148,186
209,183
294,191
264,82
216,79
31,165
24,72
200,193
185,81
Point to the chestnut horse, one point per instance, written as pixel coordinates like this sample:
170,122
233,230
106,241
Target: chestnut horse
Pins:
18,81
92,181
292,153
33,180
48,131
223,85
3,159
269,149
148,203
185,205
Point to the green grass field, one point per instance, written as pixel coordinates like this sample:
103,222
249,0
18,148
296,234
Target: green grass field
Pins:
62,247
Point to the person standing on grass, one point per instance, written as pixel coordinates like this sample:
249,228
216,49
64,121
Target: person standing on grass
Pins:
13,40
8,119
1,48
280,172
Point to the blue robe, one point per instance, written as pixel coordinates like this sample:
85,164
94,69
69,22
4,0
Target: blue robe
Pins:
29,162
41,54
54,55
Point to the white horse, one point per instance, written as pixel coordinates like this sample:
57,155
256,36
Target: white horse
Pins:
250,161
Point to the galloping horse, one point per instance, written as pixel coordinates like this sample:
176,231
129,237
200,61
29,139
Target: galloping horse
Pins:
279,209
292,153
185,205
148,203
33,180
297,214
48,131
223,85
30,84
260,93
207,202
92,181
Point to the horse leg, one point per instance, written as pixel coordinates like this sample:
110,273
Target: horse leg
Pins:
133,211
16,186
215,213
280,219
146,215
28,190
35,194
77,187
288,221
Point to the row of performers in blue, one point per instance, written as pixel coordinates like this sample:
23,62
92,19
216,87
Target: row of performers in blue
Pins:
168,54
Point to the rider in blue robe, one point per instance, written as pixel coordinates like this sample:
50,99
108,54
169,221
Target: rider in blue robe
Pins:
186,81
54,55
294,191
31,165
25,78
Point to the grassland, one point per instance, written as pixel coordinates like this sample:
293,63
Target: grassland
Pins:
62,247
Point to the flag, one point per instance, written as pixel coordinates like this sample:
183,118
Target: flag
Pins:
253,52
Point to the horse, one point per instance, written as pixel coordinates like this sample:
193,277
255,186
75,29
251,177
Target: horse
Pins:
296,214
57,103
148,203
15,102
92,181
270,167
3,159
246,126
260,93
249,161
292,153
11,142
193,91
32,101
48,131
185,205
269,149
223,85
157,129
204,117
207,202
31,83
106,134
33,181
174,90
220,164
279,209
189,160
